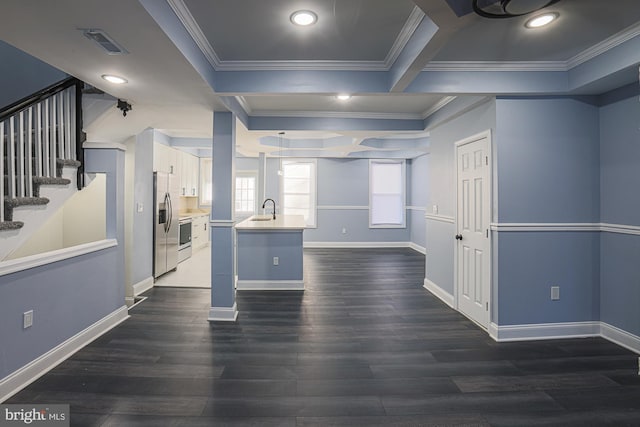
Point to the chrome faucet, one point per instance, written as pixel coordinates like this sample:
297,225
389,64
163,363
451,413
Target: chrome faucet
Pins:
274,206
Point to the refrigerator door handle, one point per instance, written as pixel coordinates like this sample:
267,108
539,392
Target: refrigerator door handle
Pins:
170,212
167,217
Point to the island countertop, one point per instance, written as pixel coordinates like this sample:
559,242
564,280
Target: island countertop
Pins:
282,222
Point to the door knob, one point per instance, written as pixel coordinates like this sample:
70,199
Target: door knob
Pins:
458,236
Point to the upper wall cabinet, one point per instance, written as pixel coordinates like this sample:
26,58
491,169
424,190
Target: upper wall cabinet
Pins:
189,174
165,159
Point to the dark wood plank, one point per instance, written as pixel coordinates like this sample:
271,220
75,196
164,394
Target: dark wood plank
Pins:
363,345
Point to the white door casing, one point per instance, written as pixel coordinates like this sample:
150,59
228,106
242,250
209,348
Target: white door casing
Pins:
473,216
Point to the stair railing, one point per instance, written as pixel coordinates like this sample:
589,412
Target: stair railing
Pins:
36,133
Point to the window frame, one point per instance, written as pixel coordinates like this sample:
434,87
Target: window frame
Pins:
313,209
246,174
202,178
403,178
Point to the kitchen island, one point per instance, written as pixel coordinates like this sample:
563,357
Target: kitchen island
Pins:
269,253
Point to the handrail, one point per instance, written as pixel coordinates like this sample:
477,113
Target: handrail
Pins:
36,133
36,97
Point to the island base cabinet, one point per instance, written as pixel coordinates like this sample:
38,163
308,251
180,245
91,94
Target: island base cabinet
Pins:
270,260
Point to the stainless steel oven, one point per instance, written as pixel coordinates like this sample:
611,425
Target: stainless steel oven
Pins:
184,249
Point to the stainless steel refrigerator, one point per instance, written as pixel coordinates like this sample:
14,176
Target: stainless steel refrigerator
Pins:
166,236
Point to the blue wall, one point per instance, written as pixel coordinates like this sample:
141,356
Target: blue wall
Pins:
343,202
547,154
256,250
418,198
548,161
70,295
441,190
142,267
66,297
620,204
22,74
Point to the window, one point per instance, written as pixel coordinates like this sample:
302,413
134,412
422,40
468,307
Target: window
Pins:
299,189
246,193
206,189
386,194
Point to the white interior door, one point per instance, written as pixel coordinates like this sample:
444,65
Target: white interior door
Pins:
472,228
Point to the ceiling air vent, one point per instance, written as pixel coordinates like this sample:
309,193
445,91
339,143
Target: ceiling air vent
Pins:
105,41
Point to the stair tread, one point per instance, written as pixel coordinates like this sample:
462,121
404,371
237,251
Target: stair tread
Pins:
44,180
11,225
68,162
25,201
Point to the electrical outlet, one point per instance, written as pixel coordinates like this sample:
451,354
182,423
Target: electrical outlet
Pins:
434,209
276,260
27,319
555,293
140,207
344,230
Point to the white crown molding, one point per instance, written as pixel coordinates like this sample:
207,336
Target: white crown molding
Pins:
302,65
188,21
582,57
438,106
415,18
417,15
496,66
339,115
244,104
184,15
605,45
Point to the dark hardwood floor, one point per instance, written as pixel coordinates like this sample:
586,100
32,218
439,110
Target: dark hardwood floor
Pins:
364,345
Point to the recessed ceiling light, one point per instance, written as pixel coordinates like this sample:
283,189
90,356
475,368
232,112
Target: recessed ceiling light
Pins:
541,20
304,18
114,79
343,97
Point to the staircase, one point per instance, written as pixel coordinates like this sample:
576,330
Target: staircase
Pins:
40,136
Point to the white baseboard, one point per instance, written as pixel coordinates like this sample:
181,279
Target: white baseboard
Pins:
223,314
544,331
142,286
24,376
356,244
620,337
270,285
418,248
436,290
547,331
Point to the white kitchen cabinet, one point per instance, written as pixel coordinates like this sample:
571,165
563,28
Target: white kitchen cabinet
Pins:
165,159
189,175
199,232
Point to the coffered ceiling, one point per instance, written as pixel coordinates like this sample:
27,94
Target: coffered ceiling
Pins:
408,64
